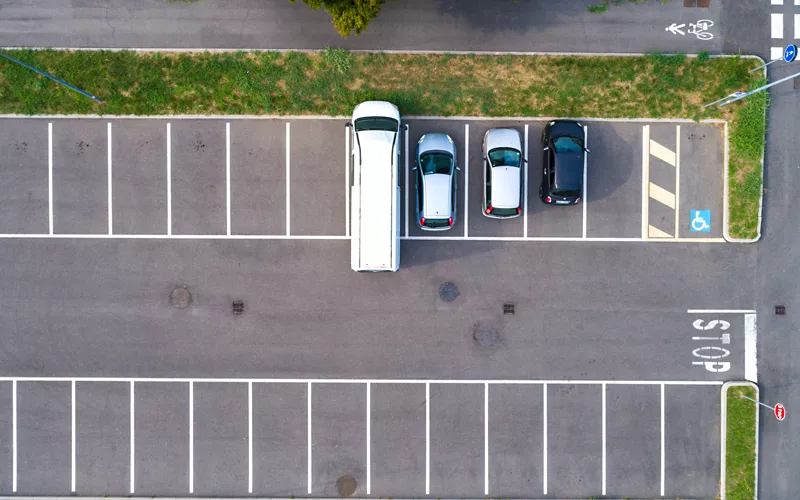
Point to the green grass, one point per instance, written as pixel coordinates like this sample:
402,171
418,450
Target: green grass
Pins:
332,82
740,446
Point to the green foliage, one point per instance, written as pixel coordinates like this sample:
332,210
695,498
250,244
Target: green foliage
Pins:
603,5
703,56
348,15
740,445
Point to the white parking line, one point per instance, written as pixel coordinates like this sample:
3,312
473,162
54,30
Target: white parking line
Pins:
662,440
486,439
132,436
169,178
249,436
49,176
110,187
466,180
604,440
777,25
72,387
288,177
347,181
525,208
544,439
427,438
14,436
408,174
369,450
585,185
796,25
750,348
228,177
677,179
308,437
776,2
191,437
645,178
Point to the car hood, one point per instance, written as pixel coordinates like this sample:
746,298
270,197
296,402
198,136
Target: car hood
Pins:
502,138
505,187
437,196
566,127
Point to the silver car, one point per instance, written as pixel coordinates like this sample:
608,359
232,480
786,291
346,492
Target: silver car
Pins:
435,168
502,186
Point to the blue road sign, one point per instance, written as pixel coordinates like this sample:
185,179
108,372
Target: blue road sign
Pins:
790,53
701,221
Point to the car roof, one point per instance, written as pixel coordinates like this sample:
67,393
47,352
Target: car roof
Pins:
569,170
437,196
505,187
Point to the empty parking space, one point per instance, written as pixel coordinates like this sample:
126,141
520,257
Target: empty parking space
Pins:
701,177
24,194
139,177
102,438
80,177
198,177
397,439
280,442
318,175
44,437
221,439
258,177
162,455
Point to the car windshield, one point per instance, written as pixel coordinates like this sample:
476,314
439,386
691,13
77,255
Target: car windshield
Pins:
436,163
567,144
566,193
504,157
376,123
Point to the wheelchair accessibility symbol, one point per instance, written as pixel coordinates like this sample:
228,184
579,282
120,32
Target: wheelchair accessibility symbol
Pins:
701,221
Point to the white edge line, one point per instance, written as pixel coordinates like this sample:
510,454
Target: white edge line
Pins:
720,311
191,436
110,185
662,440
228,177
585,185
544,439
427,438
486,439
408,174
132,436
604,440
169,178
677,179
249,436
750,348
364,381
343,237
50,175
347,181
308,437
525,208
466,180
645,177
369,451
14,436
288,178
72,451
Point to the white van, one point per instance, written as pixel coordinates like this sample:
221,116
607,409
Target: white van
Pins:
375,188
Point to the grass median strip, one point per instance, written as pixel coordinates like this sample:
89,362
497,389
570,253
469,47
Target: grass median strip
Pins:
740,444
333,81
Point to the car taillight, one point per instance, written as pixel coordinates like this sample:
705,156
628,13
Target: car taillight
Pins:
548,199
489,209
422,221
578,200
450,221
519,210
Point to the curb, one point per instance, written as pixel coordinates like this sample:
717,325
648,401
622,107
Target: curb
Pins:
723,433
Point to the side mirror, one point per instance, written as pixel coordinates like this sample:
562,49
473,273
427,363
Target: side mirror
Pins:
546,148
587,150
348,125
458,168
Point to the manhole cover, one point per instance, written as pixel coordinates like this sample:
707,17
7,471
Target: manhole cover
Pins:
180,298
346,485
448,292
485,337
238,306
780,309
508,308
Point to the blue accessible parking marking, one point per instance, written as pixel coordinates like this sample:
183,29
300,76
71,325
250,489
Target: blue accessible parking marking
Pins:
701,221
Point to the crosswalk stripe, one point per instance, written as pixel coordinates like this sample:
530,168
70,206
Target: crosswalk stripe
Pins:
662,153
662,195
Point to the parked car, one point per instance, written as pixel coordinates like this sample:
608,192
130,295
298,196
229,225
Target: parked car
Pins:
564,159
435,167
502,186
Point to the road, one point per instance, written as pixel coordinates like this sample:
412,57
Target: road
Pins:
756,275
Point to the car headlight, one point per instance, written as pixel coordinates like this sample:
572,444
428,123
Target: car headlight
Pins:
552,122
421,139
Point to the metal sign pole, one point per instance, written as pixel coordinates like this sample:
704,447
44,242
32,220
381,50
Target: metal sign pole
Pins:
746,94
54,78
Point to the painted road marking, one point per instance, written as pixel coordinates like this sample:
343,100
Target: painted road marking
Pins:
604,441
775,53
645,176
750,348
662,153
777,2
662,440
288,177
72,450
486,439
585,186
662,195
654,232
49,176
110,185
677,179
525,208
132,436
249,437
369,450
427,438
347,181
797,26
228,177
408,174
777,25
701,221
544,439
14,436
191,436
308,434
466,180
169,178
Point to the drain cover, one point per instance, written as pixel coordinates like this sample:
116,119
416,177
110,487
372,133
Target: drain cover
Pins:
448,292
780,309
180,298
485,337
238,306
346,485
508,308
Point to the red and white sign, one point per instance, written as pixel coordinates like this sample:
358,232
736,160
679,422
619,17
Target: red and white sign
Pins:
780,411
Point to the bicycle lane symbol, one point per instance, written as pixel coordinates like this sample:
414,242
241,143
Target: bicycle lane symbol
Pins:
701,221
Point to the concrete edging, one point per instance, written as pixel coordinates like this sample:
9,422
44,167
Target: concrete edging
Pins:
723,432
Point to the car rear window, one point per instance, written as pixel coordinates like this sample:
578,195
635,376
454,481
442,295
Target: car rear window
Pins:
504,211
376,123
436,163
436,222
566,192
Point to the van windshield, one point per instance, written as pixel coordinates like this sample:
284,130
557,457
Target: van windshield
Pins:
376,123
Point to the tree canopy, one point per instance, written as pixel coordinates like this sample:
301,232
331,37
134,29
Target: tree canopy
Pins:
348,15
